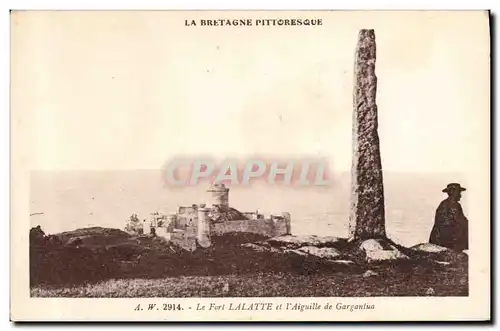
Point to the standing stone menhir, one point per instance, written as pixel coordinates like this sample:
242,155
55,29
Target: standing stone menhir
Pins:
367,217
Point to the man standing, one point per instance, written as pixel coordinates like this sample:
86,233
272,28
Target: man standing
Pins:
451,227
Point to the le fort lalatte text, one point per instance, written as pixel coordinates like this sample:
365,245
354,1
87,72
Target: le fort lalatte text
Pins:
255,22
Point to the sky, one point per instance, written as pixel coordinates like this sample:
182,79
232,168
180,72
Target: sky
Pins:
68,200
130,90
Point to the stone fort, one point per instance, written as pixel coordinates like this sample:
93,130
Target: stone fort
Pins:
194,226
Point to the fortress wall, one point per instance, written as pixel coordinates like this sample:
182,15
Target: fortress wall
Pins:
185,239
204,228
146,227
162,232
262,227
287,223
169,225
281,228
184,220
252,215
169,222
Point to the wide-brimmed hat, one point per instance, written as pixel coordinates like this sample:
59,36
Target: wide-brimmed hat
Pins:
453,187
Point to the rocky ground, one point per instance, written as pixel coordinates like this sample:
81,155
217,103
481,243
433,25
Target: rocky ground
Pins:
361,254
89,262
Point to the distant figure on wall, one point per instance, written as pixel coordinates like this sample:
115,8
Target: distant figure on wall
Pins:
451,227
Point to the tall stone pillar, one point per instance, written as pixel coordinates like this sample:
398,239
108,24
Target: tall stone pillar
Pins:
367,217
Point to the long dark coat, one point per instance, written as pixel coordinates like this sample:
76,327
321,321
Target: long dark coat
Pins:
451,227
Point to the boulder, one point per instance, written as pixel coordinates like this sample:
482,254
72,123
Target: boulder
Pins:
314,258
369,273
429,248
342,265
439,254
295,252
376,252
442,263
74,242
294,242
260,248
323,253
430,291
342,262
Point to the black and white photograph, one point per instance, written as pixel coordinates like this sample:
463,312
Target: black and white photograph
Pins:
265,165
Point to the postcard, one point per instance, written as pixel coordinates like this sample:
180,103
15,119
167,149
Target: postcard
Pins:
250,166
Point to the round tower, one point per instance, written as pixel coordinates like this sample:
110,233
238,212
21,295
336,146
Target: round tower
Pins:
219,195
203,235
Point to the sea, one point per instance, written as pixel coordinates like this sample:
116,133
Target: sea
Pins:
68,200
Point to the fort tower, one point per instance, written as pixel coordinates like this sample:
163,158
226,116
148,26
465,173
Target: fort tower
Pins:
219,195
